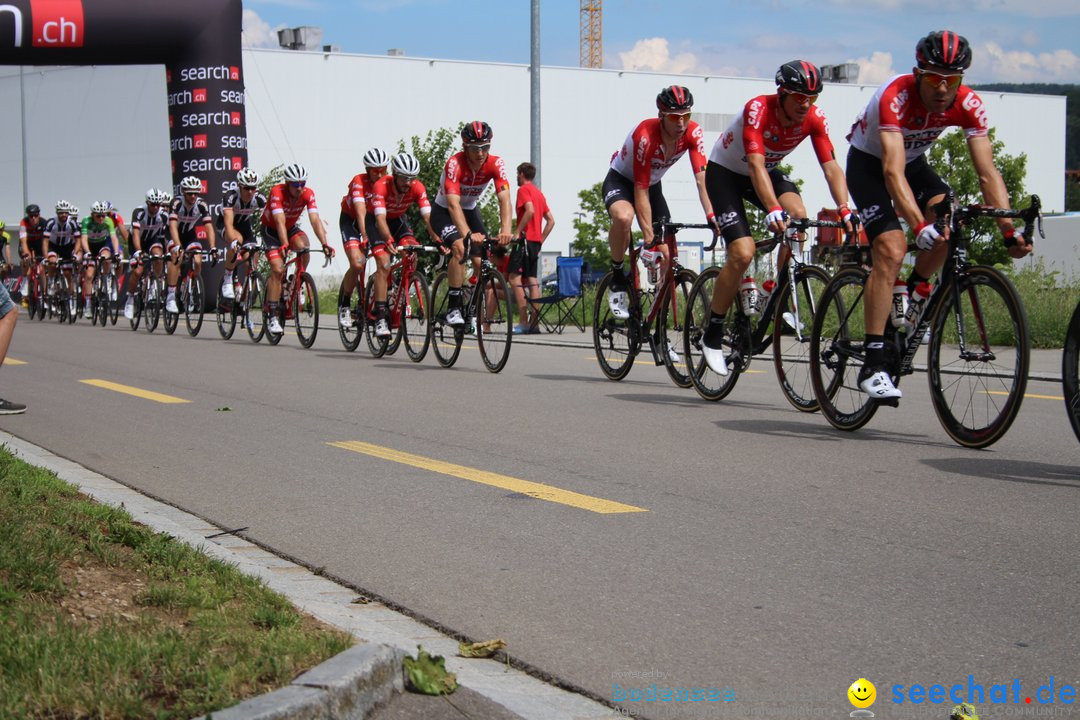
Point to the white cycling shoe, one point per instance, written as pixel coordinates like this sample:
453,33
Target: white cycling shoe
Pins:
879,386
382,328
619,304
793,322
129,308
344,317
714,358
227,290
171,306
673,355
454,318
274,326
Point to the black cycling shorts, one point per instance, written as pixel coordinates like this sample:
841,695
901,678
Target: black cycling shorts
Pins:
350,232
271,239
447,231
866,180
525,261
617,187
399,228
729,192
63,252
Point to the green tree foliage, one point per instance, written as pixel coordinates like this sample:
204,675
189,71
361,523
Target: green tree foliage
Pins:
950,159
591,225
1072,195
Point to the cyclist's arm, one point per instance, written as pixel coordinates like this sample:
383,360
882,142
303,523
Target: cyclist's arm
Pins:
759,178
115,243
453,205
279,228
174,231
506,215
703,194
211,235
431,231
360,206
643,211
990,180
524,219
230,234
893,164
837,182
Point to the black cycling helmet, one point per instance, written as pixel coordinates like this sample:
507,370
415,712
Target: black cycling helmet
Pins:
944,49
33,210
674,98
799,76
476,132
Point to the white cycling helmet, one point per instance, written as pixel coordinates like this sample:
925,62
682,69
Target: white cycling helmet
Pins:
151,194
406,165
376,157
247,178
191,184
164,197
99,208
63,206
295,173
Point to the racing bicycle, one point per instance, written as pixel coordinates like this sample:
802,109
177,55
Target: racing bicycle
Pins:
407,300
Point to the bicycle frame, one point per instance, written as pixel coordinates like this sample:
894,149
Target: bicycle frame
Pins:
405,267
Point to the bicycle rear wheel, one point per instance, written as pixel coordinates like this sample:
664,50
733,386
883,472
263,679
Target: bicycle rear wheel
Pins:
254,308
708,384
350,333
616,342
1070,371
225,311
669,328
837,350
394,341
445,340
306,310
414,321
791,336
377,345
193,305
978,357
113,289
493,331
172,319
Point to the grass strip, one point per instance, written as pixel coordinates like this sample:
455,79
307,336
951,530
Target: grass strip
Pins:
101,617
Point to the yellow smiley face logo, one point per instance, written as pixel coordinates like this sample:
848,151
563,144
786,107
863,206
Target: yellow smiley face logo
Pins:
862,693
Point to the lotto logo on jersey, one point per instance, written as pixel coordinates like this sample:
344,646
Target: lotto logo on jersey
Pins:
198,95
237,163
974,104
57,23
200,141
729,138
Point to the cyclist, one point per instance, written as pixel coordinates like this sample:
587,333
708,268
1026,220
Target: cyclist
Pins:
31,231
98,240
149,225
391,197
61,238
118,220
240,206
353,223
455,216
632,187
890,179
189,224
286,202
743,167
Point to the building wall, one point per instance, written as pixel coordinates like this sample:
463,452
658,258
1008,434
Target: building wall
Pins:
101,132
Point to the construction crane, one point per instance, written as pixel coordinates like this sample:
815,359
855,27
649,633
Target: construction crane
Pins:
592,34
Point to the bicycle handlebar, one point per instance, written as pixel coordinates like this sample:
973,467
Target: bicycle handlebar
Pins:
950,213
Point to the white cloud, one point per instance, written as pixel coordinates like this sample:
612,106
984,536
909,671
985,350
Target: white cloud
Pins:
1024,8
257,32
996,64
653,54
875,69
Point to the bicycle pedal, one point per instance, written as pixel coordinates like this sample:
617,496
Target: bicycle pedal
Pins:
890,402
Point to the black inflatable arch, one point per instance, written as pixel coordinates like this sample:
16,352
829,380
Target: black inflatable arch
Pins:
198,41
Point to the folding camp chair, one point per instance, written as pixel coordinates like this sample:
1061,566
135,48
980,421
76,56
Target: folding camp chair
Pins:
566,299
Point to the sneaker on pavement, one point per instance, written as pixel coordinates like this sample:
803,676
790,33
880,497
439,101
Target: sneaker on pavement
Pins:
382,328
454,318
619,304
714,358
171,306
344,317
274,326
227,290
129,308
11,408
878,385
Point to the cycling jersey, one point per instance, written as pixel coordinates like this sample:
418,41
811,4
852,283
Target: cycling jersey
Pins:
758,131
896,107
458,179
152,227
642,157
116,217
360,188
279,203
385,199
62,234
98,233
243,215
32,232
188,217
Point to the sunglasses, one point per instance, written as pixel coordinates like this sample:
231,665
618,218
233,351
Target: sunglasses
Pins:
951,81
249,187
479,148
97,215
677,117
33,214
300,184
802,98
191,194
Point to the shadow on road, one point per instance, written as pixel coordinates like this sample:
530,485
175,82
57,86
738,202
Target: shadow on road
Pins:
814,429
1020,471
683,400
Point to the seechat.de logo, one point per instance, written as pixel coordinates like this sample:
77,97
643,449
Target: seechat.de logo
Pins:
57,23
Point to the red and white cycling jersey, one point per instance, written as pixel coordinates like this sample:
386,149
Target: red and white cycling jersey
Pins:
278,203
116,217
458,179
360,188
385,199
896,107
642,158
758,132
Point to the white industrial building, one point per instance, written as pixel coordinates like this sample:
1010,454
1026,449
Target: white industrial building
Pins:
101,132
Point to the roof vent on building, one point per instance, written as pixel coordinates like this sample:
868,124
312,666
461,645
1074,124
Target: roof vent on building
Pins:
305,37
396,52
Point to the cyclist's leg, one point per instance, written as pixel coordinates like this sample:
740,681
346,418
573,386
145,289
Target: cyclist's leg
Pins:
298,240
172,271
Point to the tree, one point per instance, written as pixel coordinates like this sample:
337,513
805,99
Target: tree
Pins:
591,225
950,159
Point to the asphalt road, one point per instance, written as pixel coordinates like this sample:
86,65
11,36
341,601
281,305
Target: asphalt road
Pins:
765,553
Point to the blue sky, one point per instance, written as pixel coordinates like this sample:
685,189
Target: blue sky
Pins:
1014,40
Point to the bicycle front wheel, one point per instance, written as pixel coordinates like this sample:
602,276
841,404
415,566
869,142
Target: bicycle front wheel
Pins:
225,311
791,335
616,342
377,345
708,384
493,331
254,309
445,340
837,351
414,321
172,319
350,332
193,305
113,286
978,357
306,310
669,328
1070,372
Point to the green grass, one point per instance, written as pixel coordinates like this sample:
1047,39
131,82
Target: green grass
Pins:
100,617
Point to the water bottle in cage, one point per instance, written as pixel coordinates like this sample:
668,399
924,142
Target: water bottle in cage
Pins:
748,296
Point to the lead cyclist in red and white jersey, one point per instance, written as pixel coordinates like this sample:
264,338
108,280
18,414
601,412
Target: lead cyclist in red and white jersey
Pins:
889,177
632,187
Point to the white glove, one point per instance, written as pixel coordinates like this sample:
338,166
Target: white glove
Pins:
775,216
926,236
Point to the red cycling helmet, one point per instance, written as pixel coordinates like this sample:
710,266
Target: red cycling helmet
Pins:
476,132
944,49
674,98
